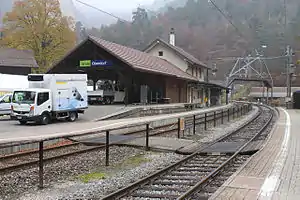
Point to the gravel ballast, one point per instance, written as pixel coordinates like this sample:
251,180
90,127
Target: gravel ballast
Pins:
61,176
17,182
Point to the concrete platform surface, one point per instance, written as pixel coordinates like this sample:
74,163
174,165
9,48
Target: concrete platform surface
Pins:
274,171
223,147
161,143
38,133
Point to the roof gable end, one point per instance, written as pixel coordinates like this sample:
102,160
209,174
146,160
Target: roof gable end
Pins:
179,51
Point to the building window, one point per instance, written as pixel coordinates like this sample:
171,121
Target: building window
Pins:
196,72
160,53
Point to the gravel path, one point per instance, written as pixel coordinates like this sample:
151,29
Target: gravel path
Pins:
66,186
214,133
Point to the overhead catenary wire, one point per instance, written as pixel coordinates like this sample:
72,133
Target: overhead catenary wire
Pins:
103,11
227,18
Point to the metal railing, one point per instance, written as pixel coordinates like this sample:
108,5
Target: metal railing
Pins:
193,118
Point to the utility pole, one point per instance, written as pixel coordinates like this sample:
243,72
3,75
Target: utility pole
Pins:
288,77
290,70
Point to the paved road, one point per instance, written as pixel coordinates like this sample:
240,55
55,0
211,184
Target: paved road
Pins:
93,112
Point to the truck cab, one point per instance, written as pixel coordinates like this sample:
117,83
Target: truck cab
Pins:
5,102
31,105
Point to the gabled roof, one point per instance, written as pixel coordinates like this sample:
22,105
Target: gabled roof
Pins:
17,58
136,59
140,60
190,58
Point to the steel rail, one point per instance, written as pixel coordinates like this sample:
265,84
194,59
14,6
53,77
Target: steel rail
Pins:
35,162
127,190
210,118
195,188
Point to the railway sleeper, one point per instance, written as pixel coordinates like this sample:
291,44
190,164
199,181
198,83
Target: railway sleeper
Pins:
198,169
191,178
175,182
166,187
201,196
151,195
201,165
181,188
176,173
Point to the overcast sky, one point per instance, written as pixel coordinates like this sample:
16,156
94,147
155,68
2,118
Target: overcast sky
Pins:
116,5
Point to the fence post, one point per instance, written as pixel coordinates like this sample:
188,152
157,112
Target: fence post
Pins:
222,120
147,137
205,119
194,130
41,165
178,130
107,149
214,118
228,114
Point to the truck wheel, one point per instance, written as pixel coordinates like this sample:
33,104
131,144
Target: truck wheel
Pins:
23,122
72,116
45,119
107,100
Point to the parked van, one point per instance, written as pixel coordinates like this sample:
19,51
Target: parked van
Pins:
5,103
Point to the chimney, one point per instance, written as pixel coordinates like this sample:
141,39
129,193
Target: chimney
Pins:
172,37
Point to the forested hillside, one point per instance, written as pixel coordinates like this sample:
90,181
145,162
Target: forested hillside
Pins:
204,32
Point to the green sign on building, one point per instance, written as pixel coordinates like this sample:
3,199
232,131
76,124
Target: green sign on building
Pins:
85,63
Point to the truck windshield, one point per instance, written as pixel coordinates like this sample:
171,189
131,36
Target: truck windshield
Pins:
26,97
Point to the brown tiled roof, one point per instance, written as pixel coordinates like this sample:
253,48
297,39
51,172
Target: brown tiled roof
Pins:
140,60
177,50
17,58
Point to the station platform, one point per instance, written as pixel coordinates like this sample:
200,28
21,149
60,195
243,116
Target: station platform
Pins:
37,133
274,171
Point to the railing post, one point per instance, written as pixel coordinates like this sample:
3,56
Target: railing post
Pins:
228,114
41,165
205,119
107,149
242,110
222,119
147,137
194,130
178,130
214,118
233,113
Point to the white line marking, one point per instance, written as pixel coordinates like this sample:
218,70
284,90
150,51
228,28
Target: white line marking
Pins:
270,183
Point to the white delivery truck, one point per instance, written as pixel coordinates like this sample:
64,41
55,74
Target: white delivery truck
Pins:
108,92
50,96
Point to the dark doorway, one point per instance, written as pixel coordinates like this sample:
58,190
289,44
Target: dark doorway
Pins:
296,100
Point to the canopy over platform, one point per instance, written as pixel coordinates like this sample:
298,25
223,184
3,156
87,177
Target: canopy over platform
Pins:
264,81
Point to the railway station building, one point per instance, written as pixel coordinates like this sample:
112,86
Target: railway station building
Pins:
145,77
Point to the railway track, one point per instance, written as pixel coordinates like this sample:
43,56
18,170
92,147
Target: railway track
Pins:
26,159
30,158
196,176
